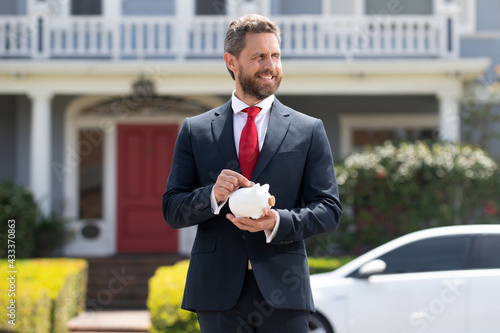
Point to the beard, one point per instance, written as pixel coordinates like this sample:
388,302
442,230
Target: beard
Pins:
251,87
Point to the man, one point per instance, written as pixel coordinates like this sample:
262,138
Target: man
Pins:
251,275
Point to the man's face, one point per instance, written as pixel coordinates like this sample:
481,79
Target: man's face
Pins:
258,68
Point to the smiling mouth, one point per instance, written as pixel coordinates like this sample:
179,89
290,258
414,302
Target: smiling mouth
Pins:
266,77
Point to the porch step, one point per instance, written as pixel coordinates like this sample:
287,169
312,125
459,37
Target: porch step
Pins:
121,282
137,321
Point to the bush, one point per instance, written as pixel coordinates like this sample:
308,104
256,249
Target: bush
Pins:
166,289
324,264
50,235
39,235
48,293
394,189
16,202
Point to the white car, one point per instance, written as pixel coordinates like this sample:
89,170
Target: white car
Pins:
444,280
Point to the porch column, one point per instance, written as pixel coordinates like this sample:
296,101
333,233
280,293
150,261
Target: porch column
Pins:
449,115
41,152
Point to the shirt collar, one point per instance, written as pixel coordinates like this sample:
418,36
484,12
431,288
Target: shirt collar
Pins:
239,105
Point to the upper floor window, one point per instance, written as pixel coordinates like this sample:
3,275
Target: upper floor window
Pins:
87,7
295,7
384,7
215,7
148,7
12,7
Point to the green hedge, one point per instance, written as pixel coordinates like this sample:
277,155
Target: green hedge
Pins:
397,188
166,289
48,293
322,265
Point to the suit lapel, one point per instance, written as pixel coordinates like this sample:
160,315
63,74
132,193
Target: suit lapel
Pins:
222,129
279,123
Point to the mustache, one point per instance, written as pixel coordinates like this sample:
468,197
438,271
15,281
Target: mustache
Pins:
272,73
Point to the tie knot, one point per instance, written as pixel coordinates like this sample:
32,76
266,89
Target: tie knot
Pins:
252,111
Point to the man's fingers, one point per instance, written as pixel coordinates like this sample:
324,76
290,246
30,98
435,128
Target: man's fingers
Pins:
227,182
266,222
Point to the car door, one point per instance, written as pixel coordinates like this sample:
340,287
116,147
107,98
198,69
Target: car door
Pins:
423,289
485,286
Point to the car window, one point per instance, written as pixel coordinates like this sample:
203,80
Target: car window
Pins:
489,252
434,254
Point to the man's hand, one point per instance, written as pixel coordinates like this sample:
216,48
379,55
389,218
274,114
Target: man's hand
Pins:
227,182
266,222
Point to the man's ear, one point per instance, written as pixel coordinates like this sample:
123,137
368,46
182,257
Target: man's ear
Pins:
230,60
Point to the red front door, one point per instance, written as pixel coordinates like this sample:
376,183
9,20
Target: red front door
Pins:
144,158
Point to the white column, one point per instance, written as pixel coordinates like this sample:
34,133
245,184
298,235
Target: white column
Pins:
41,152
112,9
265,7
185,12
449,115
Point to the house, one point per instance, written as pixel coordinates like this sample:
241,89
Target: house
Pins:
93,92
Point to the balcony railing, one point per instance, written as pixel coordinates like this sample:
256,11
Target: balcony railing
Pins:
147,37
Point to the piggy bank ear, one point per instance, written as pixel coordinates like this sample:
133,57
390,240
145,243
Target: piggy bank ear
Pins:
265,187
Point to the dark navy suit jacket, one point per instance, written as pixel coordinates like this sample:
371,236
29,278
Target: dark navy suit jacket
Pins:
296,161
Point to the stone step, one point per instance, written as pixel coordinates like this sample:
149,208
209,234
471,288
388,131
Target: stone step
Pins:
122,282
110,322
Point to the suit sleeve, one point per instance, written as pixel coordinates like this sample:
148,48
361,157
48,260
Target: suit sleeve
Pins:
184,202
322,209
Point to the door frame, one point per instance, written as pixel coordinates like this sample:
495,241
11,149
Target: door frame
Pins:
105,244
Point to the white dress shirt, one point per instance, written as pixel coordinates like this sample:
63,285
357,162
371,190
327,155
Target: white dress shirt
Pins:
239,121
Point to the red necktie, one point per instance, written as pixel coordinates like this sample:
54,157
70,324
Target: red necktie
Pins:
249,143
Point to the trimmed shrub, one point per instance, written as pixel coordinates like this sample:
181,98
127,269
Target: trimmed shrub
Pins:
322,265
166,289
48,293
395,189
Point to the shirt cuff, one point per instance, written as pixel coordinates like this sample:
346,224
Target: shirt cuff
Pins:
271,234
213,203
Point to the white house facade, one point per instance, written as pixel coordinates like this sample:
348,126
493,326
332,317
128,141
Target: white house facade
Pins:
94,92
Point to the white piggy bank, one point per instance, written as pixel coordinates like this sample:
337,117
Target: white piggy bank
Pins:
251,201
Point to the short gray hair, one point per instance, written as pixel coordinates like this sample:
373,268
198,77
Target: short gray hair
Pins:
235,37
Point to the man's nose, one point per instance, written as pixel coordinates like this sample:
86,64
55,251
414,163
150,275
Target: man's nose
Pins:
268,63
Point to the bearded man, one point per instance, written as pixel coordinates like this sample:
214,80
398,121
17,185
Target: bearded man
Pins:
251,275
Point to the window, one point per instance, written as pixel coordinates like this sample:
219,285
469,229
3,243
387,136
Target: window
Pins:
148,7
215,7
87,7
12,7
489,250
396,7
434,254
358,130
91,143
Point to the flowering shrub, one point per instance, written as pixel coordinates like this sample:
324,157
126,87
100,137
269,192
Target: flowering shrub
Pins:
394,189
